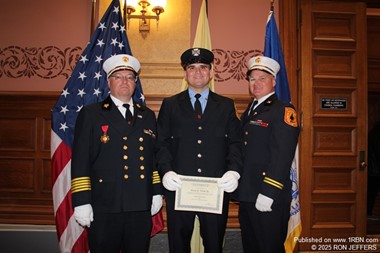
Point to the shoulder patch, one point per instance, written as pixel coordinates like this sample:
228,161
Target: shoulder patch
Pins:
290,117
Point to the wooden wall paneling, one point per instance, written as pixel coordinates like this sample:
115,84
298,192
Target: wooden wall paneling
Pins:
25,185
373,53
334,79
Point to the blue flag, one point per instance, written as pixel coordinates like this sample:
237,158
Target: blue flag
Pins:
86,85
273,50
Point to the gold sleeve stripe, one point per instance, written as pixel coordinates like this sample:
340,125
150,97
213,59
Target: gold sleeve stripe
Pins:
156,177
80,184
80,179
273,183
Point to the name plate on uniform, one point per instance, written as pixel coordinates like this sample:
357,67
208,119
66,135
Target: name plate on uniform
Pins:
199,194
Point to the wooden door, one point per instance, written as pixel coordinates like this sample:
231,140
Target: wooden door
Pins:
333,97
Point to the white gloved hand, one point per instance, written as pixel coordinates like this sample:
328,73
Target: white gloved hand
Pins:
171,181
264,203
156,204
229,181
84,215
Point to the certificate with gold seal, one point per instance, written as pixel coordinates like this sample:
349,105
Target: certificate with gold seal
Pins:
199,194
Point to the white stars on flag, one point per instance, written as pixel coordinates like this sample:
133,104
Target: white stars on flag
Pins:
102,26
81,92
99,59
82,76
64,109
83,59
63,127
65,93
116,10
97,75
97,92
114,42
115,26
100,43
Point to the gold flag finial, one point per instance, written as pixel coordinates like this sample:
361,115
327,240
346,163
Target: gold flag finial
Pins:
272,5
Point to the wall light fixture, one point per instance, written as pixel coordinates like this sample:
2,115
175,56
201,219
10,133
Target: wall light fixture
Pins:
130,6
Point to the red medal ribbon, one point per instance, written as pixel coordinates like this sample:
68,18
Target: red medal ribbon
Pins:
105,129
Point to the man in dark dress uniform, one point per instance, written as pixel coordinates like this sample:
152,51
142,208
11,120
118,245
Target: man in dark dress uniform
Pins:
114,182
198,135
270,133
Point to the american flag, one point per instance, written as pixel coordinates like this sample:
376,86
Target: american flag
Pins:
87,84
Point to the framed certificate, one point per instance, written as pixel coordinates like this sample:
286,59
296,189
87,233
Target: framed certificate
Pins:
199,194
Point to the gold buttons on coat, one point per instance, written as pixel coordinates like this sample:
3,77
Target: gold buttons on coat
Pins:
125,157
141,139
125,147
125,138
126,167
142,167
141,148
100,180
142,158
126,176
142,176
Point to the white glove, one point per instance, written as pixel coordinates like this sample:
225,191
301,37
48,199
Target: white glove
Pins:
84,215
156,204
171,181
264,203
229,181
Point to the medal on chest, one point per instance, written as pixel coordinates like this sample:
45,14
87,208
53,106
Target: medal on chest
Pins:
104,138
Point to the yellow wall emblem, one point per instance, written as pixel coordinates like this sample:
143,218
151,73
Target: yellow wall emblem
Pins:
290,117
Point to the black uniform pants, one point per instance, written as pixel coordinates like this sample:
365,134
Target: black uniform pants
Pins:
126,232
263,232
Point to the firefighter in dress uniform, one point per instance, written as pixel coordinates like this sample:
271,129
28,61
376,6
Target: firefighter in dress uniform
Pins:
114,182
204,142
270,134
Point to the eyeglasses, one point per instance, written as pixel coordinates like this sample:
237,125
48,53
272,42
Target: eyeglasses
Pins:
254,80
129,78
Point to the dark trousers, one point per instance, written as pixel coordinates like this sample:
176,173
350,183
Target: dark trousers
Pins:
127,232
263,232
181,225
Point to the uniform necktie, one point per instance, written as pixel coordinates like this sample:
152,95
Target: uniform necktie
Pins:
252,107
197,106
128,114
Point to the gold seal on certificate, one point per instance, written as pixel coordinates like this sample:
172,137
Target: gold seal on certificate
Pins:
199,194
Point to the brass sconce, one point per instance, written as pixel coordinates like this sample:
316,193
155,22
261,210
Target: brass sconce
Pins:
130,6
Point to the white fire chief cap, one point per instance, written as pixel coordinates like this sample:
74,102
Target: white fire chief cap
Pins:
263,63
121,62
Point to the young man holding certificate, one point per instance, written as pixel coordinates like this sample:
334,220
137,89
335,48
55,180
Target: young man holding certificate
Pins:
199,156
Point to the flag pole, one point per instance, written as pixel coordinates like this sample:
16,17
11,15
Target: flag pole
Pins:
272,5
93,10
125,13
